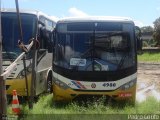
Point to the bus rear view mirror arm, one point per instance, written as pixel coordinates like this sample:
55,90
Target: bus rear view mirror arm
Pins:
138,35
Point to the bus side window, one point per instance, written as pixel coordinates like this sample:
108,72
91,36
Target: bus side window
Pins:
45,31
41,26
49,40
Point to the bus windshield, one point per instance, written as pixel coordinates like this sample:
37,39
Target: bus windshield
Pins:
95,46
11,35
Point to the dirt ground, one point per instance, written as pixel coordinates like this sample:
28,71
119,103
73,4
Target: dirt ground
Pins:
148,83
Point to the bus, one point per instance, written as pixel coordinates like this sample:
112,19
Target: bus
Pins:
95,56
35,25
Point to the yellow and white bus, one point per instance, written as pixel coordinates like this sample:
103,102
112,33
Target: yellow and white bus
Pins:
37,25
95,56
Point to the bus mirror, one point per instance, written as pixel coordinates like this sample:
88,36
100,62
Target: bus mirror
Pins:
54,38
54,34
138,38
41,23
44,33
137,31
45,38
139,44
42,28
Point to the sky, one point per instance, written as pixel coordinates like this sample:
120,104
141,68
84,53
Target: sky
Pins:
143,12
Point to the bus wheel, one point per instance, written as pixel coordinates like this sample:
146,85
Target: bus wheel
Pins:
49,83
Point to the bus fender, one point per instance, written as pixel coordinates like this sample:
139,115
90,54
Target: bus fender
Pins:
49,81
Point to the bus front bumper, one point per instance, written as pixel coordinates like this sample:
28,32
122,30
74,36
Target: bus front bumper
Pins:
69,94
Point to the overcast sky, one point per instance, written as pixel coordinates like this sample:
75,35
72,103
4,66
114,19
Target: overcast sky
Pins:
143,12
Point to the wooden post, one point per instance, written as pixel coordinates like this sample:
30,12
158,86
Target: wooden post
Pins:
34,69
3,100
21,39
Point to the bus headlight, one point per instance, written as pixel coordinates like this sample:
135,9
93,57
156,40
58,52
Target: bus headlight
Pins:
60,83
132,83
128,85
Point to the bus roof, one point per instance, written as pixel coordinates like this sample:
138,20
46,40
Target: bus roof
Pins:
27,11
96,19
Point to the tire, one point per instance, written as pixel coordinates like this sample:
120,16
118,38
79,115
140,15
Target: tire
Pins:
49,83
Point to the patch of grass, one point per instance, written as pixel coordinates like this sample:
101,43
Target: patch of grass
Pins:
149,57
46,108
46,105
150,106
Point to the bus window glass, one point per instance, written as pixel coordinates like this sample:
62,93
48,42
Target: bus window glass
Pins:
11,35
49,24
106,43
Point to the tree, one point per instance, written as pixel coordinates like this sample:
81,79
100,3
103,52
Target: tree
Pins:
147,29
156,34
147,36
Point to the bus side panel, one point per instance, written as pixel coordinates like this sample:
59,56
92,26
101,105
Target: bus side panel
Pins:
42,74
19,85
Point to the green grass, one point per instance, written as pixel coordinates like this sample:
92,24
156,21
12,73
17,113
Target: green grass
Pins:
149,57
46,107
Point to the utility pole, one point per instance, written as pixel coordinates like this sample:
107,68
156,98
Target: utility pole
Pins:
3,99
